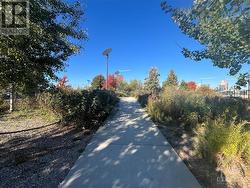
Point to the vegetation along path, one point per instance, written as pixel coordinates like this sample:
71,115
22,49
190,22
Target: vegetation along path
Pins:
129,151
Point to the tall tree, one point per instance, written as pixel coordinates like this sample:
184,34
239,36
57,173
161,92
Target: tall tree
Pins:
132,88
124,87
135,85
222,27
152,84
183,85
172,80
54,35
98,82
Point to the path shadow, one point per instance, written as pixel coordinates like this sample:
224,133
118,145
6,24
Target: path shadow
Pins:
129,151
182,141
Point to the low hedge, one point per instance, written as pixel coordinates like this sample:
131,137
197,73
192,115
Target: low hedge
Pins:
81,107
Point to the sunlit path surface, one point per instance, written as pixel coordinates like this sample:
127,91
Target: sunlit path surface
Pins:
129,151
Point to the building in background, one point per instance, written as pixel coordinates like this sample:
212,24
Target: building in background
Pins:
223,85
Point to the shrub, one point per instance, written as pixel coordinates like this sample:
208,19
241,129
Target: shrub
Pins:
155,109
192,108
221,135
1,102
206,91
83,108
178,106
101,103
67,104
26,103
228,107
3,105
245,148
121,94
80,107
224,142
143,99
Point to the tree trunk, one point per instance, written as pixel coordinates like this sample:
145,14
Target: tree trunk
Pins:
12,98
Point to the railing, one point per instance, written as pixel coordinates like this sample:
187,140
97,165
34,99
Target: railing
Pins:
245,94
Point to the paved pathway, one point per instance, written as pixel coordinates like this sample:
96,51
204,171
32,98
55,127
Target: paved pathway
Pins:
129,152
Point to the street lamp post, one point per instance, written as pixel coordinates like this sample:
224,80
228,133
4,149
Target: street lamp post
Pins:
106,53
107,73
248,87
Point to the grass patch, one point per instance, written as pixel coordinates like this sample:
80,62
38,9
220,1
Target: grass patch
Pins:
21,115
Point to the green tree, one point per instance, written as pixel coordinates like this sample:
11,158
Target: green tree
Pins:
124,88
135,85
183,85
222,27
131,88
152,84
172,80
54,35
98,82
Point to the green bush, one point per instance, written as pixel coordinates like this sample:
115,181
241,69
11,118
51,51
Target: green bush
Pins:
26,104
101,104
245,147
228,107
226,141
143,99
179,106
80,107
191,108
3,105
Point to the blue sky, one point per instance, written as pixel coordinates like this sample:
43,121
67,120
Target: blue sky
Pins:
141,36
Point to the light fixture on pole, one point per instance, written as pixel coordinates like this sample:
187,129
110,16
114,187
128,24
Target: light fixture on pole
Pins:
248,87
106,53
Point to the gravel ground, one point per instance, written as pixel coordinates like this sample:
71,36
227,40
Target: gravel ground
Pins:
40,157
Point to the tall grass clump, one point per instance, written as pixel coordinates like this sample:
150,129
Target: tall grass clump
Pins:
179,106
225,143
218,124
191,108
221,138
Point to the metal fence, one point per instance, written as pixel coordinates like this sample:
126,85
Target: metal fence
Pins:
245,94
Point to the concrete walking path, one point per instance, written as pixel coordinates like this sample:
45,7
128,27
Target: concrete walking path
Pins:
129,152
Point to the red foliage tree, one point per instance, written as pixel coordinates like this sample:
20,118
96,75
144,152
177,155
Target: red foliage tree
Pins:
113,81
191,85
62,82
